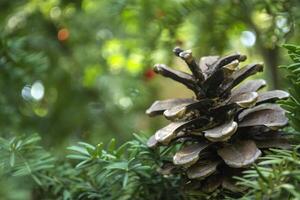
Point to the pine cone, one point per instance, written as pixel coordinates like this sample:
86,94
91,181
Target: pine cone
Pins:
223,129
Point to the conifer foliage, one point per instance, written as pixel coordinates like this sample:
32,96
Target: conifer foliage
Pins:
292,105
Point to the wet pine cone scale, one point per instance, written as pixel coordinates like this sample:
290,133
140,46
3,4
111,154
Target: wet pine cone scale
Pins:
223,128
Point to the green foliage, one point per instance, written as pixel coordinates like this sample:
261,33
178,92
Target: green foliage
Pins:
130,171
22,160
125,172
293,76
277,176
22,156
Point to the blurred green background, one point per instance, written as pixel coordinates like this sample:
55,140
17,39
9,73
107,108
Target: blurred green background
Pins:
81,69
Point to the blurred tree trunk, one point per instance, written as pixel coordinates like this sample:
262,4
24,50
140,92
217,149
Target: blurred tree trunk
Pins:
269,54
271,59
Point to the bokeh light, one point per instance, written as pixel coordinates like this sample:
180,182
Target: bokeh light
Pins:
55,12
37,90
248,38
26,94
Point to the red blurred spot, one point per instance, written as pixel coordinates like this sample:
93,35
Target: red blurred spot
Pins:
63,34
159,14
149,74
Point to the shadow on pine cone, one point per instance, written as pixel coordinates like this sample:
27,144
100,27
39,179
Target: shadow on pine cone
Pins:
223,129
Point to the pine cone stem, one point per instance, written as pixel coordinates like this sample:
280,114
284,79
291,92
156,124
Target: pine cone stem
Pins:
191,63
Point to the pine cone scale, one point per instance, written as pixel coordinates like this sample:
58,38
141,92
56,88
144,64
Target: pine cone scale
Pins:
240,154
249,86
158,107
221,133
189,155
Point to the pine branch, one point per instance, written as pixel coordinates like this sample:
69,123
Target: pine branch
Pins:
277,176
130,171
292,105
